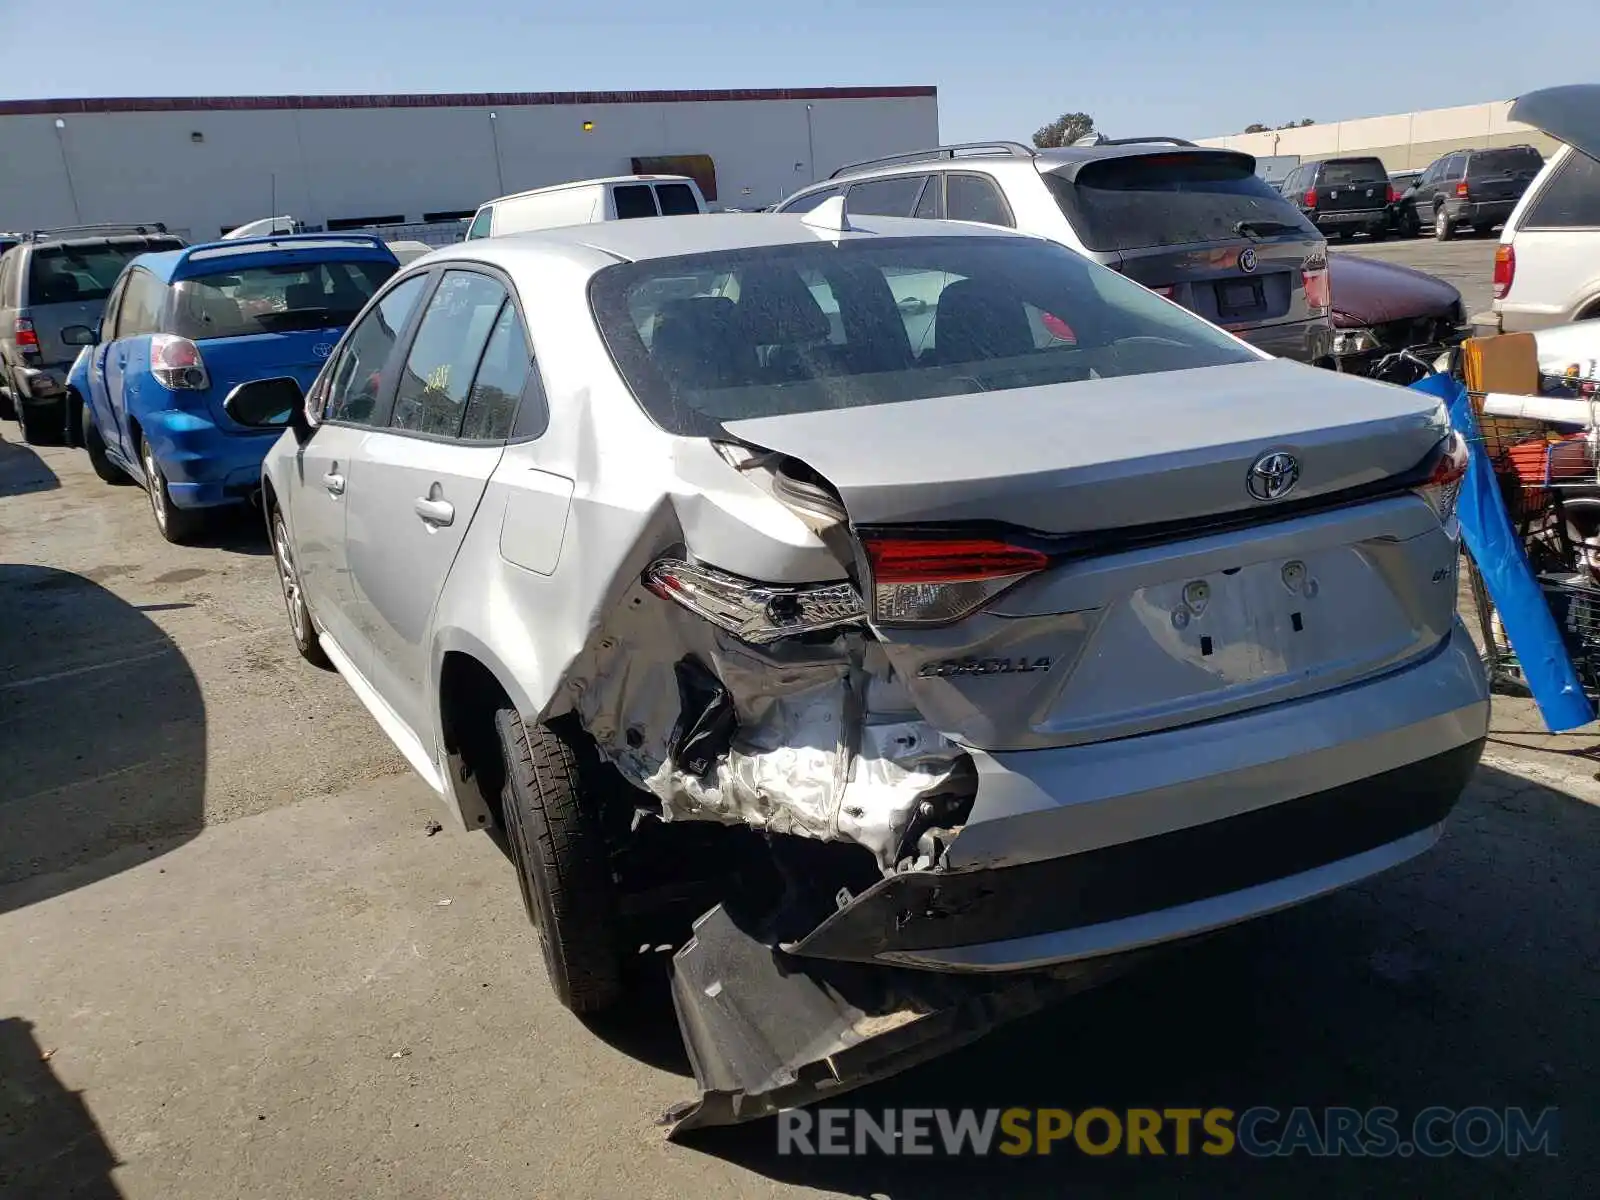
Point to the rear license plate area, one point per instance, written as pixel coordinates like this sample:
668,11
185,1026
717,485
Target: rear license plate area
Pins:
1240,298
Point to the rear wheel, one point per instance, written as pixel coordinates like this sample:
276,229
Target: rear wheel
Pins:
1379,232
1483,230
177,525
551,803
301,624
1346,234
95,445
8,409
1443,226
1410,223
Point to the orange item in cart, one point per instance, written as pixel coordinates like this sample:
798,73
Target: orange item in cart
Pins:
1507,363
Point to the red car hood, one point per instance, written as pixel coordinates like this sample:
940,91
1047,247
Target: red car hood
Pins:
1369,291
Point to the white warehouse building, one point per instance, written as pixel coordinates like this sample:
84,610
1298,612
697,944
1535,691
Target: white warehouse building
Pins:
203,165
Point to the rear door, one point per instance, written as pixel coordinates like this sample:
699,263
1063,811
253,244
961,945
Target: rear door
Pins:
265,316
1352,185
1201,229
418,480
347,400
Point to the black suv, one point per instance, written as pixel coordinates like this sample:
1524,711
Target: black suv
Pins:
1468,187
1343,196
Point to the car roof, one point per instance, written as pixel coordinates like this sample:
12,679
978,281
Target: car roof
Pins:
582,183
670,237
167,265
1059,160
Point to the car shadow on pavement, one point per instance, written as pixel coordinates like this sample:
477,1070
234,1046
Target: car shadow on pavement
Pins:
22,471
50,1145
102,736
1469,977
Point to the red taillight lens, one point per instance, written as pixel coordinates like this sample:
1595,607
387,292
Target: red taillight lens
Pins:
1164,290
1505,269
1318,293
1394,196
1444,483
27,340
176,364
1310,198
918,581
1461,188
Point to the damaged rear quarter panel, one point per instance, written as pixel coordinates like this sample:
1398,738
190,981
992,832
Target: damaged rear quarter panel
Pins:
828,744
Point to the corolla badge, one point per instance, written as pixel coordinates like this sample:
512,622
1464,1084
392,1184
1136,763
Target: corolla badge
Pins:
1273,476
1247,259
322,349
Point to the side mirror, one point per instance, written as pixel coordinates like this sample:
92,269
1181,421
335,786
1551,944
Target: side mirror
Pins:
77,335
269,404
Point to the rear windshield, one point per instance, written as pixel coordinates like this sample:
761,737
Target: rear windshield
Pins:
774,330
1347,172
1170,200
677,200
61,274
275,299
1487,163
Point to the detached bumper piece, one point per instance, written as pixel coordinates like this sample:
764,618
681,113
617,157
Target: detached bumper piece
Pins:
766,1031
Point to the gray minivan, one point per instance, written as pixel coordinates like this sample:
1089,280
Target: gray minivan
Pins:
55,278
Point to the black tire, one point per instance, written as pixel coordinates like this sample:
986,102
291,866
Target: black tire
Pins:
1346,235
45,427
180,526
302,626
1410,223
551,801
8,409
1379,232
95,446
1443,227
1483,230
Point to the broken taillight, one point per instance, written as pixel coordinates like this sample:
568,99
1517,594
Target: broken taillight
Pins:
1444,483
754,612
923,581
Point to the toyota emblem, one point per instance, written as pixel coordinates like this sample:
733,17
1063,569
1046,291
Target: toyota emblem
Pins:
1247,259
322,349
1273,476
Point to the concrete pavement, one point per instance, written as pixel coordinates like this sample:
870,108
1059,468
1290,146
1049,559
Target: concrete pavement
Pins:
226,971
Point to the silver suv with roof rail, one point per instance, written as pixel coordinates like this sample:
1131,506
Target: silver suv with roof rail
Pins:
1195,224
52,280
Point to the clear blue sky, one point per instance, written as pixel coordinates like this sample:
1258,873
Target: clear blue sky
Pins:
1003,67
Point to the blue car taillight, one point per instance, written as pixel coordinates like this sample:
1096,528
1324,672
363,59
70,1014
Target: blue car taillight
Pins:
176,364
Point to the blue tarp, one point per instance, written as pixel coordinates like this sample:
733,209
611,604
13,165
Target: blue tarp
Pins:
1524,614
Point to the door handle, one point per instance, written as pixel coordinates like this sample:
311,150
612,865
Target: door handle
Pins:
334,482
435,512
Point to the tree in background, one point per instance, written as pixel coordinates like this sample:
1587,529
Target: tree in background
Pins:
1064,130
1259,128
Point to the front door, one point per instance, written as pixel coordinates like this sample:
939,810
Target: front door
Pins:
420,481
347,401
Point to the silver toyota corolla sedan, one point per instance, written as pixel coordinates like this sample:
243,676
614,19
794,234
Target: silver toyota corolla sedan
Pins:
947,616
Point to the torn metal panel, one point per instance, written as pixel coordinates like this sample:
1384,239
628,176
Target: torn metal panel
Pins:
766,1032
823,742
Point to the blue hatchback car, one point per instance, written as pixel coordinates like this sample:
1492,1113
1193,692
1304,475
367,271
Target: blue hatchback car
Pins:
182,329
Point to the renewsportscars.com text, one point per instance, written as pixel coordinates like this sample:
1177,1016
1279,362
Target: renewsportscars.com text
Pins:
1259,1132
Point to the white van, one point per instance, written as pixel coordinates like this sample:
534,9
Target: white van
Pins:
588,201
1547,266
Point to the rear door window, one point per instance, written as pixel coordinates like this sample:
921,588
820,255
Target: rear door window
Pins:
1570,198
480,223
431,396
634,200
975,198
275,299
1151,200
676,200
895,196
499,383
142,302
356,378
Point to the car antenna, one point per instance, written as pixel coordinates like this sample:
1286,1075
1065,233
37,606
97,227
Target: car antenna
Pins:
829,216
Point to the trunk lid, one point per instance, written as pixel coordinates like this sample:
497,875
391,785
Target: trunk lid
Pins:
1216,602
1501,174
235,360
1211,279
1105,453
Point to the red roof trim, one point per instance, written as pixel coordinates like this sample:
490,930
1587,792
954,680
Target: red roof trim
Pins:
126,104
